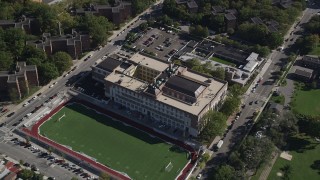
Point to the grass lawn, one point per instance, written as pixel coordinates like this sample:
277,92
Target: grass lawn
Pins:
223,61
278,99
304,151
315,51
307,102
114,144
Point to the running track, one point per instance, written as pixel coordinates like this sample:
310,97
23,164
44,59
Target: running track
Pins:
34,133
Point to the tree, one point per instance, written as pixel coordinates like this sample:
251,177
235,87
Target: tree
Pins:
230,105
273,40
253,151
33,52
104,176
25,174
143,26
219,73
98,27
192,62
236,90
48,72
287,169
15,41
6,61
62,61
224,172
213,124
200,31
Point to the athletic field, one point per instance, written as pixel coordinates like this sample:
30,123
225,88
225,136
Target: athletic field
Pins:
120,147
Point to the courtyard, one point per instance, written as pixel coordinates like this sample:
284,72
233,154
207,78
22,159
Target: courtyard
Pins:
114,144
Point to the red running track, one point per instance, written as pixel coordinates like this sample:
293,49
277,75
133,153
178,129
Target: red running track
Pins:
111,172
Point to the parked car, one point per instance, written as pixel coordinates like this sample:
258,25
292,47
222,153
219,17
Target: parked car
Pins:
11,114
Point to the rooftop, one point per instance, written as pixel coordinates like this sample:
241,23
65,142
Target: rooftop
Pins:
217,9
230,53
257,20
149,62
212,90
128,82
230,16
185,86
109,64
310,58
302,71
192,4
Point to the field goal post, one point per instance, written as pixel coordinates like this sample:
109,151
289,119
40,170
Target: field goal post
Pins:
169,167
64,114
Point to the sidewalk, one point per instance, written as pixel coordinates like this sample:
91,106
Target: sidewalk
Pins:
267,169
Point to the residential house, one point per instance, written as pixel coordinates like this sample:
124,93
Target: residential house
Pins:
190,4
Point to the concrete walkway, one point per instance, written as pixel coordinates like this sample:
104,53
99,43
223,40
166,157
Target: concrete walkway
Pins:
267,169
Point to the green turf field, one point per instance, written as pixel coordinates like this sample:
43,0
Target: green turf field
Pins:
114,144
307,102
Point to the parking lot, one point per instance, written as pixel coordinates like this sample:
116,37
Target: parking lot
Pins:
37,159
164,43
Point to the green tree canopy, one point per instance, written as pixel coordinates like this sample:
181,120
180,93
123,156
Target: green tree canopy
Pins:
230,105
48,72
224,172
33,52
15,41
6,60
98,27
214,123
219,73
62,61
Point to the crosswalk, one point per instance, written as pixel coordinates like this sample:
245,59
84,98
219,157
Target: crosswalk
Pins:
4,129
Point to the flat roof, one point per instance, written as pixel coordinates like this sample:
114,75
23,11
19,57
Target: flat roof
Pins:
302,71
311,58
185,86
149,62
109,64
202,101
230,53
128,82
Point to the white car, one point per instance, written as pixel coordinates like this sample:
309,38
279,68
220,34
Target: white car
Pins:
51,85
199,176
35,97
29,114
26,104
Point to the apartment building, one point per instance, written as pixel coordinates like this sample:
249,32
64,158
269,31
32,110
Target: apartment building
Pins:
29,25
173,95
74,44
19,81
116,13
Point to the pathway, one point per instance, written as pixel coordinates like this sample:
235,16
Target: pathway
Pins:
267,169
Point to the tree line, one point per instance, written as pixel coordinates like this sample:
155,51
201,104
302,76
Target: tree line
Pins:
246,9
